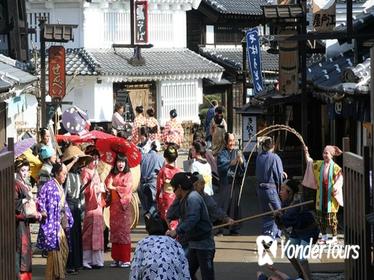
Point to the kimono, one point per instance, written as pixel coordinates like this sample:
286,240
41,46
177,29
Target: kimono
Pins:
139,121
217,131
203,168
159,257
120,215
23,236
329,183
165,193
93,223
52,233
153,129
173,132
228,195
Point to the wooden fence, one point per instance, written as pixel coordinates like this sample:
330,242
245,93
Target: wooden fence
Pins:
356,207
7,215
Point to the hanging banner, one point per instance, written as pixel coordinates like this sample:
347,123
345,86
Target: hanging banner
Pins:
254,59
324,15
56,71
141,22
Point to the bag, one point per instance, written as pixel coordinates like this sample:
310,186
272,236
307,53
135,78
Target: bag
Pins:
106,198
29,208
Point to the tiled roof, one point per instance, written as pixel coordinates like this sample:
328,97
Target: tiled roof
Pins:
160,64
238,7
12,71
233,58
339,74
360,21
79,62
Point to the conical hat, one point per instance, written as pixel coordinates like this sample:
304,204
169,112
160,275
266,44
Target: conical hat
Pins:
73,151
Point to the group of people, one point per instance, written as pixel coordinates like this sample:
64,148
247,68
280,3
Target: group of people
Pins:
180,207
298,224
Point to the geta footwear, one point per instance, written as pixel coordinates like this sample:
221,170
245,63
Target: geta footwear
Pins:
124,264
97,266
114,264
71,271
333,241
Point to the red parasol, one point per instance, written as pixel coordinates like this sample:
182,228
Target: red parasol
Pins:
91,136
110,147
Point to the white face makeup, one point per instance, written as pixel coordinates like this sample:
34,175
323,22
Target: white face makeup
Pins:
24,172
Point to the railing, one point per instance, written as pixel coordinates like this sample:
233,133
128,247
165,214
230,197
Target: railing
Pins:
7,215
356,207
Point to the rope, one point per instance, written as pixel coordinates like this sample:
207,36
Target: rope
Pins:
266,131
262,214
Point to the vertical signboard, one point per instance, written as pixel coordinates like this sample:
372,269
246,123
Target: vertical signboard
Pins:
141,22
249,130
254,59
324,15
56,71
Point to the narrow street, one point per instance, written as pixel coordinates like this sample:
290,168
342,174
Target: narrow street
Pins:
236,256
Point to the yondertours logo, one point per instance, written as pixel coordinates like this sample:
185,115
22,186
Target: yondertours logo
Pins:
267,249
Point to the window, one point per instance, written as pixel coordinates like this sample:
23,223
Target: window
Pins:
209,34
228,35
117,27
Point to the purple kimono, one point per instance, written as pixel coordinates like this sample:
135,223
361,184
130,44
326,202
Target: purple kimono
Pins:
48,202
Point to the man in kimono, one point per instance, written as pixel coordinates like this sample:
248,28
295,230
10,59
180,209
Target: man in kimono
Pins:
151,163
269,175
231,168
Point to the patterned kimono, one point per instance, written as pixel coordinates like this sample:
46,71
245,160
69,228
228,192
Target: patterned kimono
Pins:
120,216
139,121
23,237
153,128
164,193
327,180
159,257
93,223
53,232
173,132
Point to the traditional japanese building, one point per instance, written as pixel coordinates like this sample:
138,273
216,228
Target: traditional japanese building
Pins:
100,75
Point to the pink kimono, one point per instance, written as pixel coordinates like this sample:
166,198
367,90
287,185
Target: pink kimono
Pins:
120,216
173,132
165,194
92,234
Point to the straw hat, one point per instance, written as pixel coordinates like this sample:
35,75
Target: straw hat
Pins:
73,151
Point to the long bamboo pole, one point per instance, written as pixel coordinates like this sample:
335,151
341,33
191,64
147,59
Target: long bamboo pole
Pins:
262,215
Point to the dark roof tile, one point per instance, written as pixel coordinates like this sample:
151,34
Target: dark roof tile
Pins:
238,7
233,58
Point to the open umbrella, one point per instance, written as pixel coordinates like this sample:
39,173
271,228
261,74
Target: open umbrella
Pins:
90,136
109,148
23,145
75,120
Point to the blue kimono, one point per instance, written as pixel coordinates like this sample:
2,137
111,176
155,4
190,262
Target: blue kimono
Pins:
226,201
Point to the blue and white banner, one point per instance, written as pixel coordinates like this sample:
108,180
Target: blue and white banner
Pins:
254,59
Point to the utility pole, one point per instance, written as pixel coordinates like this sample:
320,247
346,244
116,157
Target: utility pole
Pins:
42,104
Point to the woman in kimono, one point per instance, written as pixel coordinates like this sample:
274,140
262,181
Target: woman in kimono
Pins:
23,237
152,125
326,177
58,222
201,166
173,131
92,233
164,192
119,183
139,121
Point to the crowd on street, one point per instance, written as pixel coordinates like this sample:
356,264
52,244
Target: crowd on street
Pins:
66,186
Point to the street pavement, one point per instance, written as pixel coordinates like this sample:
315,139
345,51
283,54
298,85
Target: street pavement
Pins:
236,256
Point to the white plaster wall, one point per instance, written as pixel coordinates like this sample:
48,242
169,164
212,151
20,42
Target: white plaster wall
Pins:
103,102
93,28
25,120
82,95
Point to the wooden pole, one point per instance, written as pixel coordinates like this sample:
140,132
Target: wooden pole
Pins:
262,215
